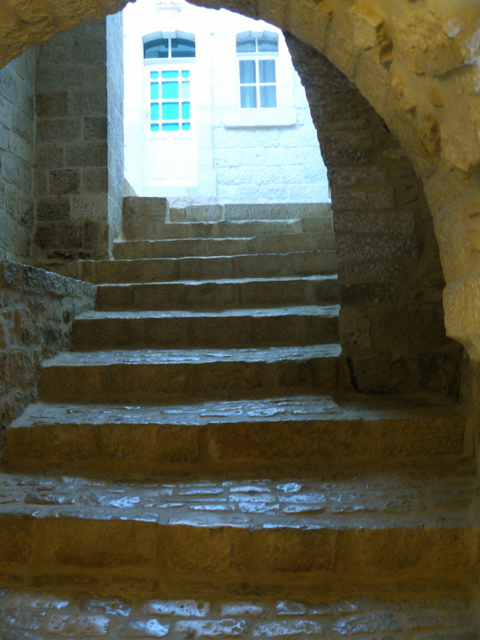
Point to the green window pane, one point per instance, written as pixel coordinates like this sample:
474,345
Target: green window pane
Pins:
169,90
169,74
185,110
248,73
171,126
156,48
268,43
183,48
170,111
268,97
186,126
154,75
154,94
185,89
185,74
246,44
248,97
266,70
155,127
154,111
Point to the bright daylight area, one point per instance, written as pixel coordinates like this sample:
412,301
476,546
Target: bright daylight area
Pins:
214,110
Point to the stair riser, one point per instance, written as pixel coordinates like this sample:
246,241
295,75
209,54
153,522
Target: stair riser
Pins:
171,269
146,556
220,332
225,247
153,230
216,295
152,450
169,382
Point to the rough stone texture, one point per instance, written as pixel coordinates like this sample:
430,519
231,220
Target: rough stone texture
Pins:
79,151
17,157
390,275
35,323
46,617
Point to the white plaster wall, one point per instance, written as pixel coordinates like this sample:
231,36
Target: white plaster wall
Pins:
254,155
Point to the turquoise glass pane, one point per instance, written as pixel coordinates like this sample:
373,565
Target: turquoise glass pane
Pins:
185,74
186,126
170,111
185,89
154,75
154,111
171,126
185,110
169,90
154,94
169,74
155,127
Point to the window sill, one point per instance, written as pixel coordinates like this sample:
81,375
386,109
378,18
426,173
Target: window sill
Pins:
260,118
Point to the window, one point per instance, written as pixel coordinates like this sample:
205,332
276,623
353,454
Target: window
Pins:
169,48
170,100
257,67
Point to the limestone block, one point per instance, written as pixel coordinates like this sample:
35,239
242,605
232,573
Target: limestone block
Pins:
423,44
461,300
368,25
460,142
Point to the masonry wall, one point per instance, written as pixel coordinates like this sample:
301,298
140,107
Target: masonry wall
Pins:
17,139
36,313
391,281
79,151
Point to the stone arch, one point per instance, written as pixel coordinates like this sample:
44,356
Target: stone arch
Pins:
416,64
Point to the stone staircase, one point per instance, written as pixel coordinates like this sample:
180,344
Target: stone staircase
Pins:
195,470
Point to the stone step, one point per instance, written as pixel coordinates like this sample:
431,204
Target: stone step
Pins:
272,435
156,229
389,536
219,294
248,618
169,375
268,265
278,211
222,329
171,248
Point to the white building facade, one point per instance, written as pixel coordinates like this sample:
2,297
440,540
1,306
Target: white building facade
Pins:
214,111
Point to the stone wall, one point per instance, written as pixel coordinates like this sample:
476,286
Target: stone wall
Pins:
17,138
115,136
391,280
79,150
37,309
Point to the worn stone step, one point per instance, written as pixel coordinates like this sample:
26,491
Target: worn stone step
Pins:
249,617
156,229
257,211
268,265
385,536
219,294
275,435
285,243
223,329
168,375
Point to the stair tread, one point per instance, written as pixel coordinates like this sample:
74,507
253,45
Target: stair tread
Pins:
191,356
326,311
431,500
292,408
248,616
310,278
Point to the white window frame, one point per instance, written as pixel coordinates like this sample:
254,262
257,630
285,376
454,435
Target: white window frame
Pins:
257,56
